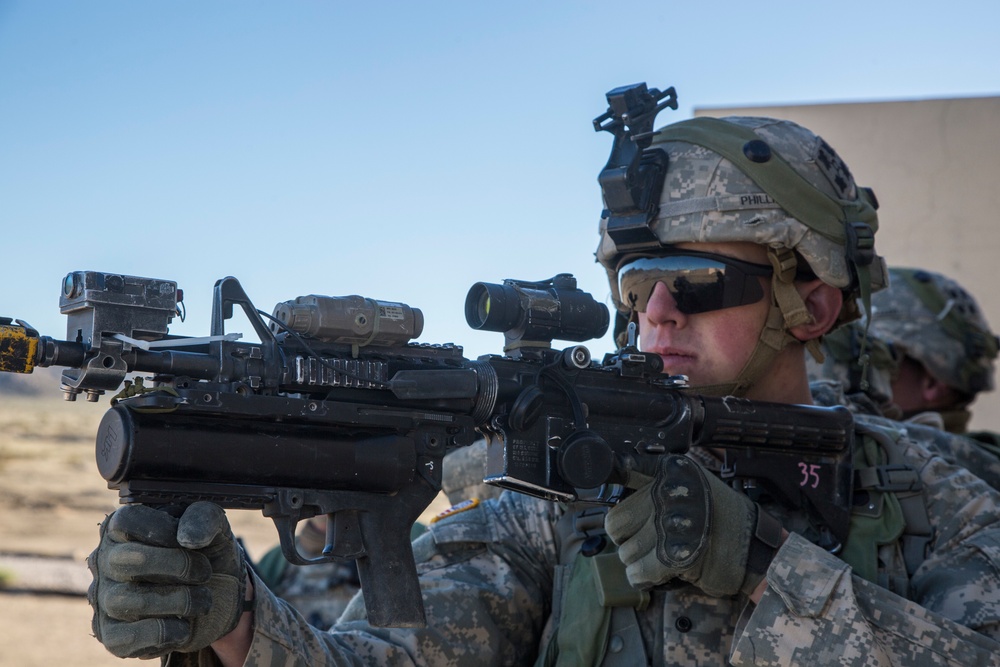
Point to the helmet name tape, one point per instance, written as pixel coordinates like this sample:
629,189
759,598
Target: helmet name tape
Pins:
755,201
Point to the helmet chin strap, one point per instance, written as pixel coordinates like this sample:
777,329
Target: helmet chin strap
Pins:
787,310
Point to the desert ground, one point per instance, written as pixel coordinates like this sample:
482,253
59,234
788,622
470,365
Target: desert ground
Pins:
52,500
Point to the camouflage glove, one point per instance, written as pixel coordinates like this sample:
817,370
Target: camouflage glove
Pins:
164,584
686,523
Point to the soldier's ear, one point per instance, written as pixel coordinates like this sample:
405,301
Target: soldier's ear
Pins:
823,302
936,394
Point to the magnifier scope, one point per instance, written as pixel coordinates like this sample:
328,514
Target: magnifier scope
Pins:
536,312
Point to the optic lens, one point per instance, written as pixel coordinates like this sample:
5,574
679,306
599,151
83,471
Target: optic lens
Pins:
484,306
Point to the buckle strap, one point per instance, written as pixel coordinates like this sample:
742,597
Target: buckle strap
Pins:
589,522
891,478
784,263
765,542
860,243
783,287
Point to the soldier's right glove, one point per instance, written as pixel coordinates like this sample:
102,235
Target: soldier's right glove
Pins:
686,523
164,584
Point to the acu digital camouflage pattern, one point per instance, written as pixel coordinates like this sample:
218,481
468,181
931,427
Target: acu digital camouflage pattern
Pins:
493,580
706,198
463,472
936,322
320,593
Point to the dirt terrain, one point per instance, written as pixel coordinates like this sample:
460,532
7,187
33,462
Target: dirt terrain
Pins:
51,501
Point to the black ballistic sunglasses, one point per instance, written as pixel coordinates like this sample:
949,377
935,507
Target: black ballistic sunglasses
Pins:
699,282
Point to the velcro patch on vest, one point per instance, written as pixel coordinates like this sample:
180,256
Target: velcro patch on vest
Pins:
463,506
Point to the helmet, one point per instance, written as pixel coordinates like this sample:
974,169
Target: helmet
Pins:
760,180
766,181
934,321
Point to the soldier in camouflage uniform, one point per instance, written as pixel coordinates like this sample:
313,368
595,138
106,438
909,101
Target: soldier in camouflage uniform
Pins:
754,211
928,344
947,348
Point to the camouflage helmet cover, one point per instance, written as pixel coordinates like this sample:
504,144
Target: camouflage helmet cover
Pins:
707,198
936,322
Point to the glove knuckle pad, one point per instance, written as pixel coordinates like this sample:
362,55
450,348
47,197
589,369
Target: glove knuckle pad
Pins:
683,510
137,562
134,602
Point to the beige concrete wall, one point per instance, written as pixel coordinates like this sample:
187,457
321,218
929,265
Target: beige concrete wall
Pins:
935,167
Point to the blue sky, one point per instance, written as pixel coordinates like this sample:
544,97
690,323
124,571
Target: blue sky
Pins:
399,150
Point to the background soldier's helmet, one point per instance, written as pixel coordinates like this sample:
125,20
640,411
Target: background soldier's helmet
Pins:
933,320
765,181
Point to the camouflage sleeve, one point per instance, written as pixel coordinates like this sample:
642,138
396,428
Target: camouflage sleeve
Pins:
960,450
960,578
486,575
815,612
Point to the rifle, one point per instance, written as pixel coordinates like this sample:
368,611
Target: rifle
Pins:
335,411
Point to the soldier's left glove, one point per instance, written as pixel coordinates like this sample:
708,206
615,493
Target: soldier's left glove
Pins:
164,584
686,523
